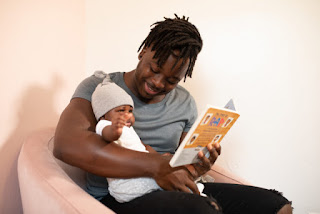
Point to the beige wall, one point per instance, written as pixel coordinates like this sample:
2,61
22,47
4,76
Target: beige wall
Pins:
262,53
42,59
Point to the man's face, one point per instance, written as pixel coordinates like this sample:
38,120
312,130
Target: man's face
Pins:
154,82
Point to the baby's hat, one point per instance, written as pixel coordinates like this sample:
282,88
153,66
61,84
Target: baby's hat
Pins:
107,96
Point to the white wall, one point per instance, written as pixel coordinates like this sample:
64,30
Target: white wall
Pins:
42,59
264,54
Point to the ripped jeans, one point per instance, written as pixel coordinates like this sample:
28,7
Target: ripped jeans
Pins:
230,198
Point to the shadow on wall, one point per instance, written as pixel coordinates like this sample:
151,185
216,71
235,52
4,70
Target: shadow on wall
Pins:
35,110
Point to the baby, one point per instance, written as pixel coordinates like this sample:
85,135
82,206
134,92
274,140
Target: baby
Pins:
113,108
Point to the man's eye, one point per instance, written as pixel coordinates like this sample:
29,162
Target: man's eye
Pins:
171,82
153,71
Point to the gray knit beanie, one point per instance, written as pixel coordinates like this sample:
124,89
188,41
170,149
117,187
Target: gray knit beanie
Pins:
107,96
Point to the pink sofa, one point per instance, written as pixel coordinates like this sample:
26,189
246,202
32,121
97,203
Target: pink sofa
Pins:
48,185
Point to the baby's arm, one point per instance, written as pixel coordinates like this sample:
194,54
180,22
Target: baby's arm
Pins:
113,131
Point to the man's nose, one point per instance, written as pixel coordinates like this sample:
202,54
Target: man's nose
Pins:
158,81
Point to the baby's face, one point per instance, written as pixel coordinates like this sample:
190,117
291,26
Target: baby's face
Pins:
123,112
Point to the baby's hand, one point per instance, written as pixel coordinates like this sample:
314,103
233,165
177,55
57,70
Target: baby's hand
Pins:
118,122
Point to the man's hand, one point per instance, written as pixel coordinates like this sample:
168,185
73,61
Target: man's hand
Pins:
175,179
178,180
205,164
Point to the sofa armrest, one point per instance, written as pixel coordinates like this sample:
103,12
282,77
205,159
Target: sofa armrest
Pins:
221,175
45,186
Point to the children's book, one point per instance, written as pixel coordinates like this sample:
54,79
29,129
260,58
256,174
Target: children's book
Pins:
210,127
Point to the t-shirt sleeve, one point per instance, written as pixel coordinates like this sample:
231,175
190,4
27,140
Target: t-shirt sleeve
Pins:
193,114
86,88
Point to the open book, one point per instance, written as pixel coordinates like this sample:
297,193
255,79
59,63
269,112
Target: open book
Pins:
210,127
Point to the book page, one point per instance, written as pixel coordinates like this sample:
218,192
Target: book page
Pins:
210,127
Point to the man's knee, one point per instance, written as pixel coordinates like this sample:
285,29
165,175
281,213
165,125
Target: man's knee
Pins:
286,209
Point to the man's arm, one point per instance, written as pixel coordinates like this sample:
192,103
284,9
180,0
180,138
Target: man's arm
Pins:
77,144
149,148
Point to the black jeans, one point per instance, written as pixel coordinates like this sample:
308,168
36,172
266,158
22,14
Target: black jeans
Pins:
232,198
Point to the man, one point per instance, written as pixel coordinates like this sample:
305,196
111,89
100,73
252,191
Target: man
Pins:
164,113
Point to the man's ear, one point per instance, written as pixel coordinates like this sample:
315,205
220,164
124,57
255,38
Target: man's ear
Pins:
142,52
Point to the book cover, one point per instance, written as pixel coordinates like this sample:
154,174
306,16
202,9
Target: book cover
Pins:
210,127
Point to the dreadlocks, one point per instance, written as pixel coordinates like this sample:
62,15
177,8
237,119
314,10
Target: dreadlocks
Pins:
174,34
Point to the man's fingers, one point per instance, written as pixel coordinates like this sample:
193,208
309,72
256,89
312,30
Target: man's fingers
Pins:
179,180
189,187
217,147
215,151
205,163
193,187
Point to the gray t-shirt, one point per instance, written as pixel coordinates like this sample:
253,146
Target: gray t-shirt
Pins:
159,125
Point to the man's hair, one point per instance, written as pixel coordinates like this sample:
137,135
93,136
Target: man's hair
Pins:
174,34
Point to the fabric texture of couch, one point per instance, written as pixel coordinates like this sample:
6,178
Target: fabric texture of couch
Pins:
48,185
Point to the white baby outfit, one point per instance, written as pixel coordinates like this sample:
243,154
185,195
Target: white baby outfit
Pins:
124,190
